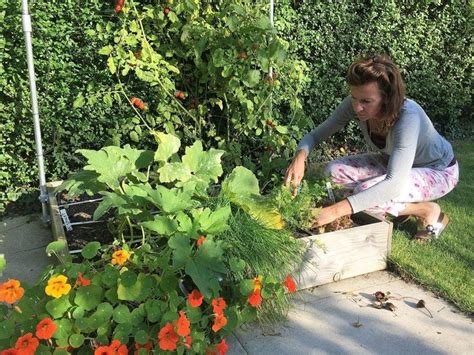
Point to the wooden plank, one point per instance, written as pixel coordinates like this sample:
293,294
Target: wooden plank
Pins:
56,222
346,253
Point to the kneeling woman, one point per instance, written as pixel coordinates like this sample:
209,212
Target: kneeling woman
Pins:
411,163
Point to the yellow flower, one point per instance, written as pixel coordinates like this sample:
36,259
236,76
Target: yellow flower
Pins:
120,257
57,286
257,281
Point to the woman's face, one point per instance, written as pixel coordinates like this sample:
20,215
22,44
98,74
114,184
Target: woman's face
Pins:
366,101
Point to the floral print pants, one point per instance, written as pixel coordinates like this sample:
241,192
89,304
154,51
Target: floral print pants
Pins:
359,172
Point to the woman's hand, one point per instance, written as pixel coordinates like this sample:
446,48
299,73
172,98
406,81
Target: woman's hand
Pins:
295,172
331,213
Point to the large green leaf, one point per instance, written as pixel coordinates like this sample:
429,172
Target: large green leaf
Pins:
240,182
206,267
212,222
168,145
58,306
170,200
206,165
114,163
181,249
161,225
174,171
88,297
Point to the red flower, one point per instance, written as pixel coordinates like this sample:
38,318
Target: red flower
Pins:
10,351
255,298
195,298
290,284
200,240
219,322
218,305
222,347
45,329
26,344
183,325
167,337
137,103
119,5
81,280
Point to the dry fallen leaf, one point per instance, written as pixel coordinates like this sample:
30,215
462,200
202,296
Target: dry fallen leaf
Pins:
420,304
390,306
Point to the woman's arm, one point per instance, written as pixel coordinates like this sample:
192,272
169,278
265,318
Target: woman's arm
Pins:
331,213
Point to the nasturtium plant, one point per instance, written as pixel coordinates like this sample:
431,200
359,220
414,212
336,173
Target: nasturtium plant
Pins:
166,282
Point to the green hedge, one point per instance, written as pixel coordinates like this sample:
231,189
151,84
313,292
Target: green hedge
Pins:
428,39
64,49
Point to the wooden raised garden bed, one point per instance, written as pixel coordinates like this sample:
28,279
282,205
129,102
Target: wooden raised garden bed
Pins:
329,257
346,253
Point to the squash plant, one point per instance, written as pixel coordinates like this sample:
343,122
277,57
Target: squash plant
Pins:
164,284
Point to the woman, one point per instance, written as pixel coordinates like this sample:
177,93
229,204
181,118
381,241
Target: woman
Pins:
412,164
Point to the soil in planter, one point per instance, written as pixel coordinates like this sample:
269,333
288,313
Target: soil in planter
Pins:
82,234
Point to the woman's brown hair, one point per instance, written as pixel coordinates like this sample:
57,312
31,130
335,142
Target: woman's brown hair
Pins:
380,69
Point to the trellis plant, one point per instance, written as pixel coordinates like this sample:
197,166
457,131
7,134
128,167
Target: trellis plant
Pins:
164,284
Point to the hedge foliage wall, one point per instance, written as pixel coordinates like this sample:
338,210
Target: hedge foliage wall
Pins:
430,40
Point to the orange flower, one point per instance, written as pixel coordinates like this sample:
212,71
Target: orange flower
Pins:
10,291
183,324
195,298
219,322
45,329
290,284
218,305
222,347
118,348
147,346
255,298
10,351
103,350
26,344
200,240
57,286
118,5
188,342
81,280
137,103
167,337
120,257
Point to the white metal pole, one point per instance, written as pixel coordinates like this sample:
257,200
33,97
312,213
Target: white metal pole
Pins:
26,21
270,70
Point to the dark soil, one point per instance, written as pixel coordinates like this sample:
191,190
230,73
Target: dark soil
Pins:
82,234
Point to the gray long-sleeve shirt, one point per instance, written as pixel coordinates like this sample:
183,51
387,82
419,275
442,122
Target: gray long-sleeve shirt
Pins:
411,142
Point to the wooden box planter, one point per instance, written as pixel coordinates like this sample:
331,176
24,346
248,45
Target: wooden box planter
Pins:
329,257
346,253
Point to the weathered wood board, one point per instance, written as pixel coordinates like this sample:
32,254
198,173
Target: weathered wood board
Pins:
56,222
346,253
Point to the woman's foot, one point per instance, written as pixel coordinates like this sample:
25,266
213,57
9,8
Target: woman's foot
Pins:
429,213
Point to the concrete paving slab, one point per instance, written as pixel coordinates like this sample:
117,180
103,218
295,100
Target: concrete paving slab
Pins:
23,241
338,319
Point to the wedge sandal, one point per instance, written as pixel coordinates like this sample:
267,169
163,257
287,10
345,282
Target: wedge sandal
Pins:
432,231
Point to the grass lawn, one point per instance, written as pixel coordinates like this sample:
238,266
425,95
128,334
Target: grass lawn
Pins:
446,266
